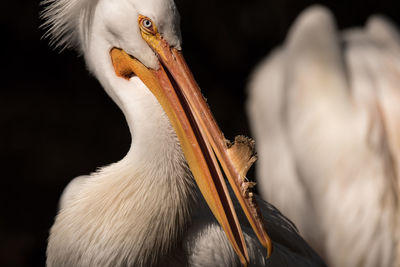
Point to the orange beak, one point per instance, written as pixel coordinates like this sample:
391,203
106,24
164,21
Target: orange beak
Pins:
201,139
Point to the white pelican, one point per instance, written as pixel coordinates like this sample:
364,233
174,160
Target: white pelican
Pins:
325,110
145,210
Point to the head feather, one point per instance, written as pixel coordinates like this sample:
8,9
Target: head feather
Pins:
67,22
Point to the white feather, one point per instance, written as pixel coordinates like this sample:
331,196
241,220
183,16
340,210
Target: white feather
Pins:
325,112
68,21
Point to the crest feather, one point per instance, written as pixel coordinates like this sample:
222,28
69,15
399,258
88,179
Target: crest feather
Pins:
67,22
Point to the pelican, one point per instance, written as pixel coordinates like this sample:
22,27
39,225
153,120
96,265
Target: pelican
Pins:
147,209
325,111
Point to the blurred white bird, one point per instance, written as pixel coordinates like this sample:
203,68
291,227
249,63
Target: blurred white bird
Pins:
325,112
146,210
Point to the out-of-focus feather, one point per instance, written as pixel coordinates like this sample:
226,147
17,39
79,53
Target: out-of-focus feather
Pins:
325,110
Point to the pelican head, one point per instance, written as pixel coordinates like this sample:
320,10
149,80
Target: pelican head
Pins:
134,48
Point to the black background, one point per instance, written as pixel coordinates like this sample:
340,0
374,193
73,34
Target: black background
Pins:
57,123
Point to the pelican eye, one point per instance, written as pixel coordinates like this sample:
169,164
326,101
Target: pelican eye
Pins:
147,25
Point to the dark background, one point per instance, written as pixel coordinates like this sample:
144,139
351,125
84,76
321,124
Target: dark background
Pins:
57,123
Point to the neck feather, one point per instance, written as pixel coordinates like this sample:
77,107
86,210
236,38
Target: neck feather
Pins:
133,212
